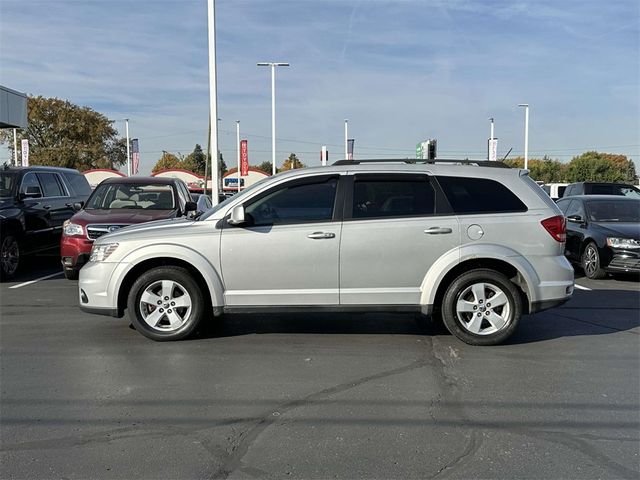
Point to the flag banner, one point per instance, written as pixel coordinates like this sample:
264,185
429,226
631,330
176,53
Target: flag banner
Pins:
25,152
244,158
493,149
350,143
135,156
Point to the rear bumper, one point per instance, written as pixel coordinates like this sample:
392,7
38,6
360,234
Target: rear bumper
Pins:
547,304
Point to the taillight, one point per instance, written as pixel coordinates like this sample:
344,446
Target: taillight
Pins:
557,227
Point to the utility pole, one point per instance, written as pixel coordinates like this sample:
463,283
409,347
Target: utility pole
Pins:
346,138
526,133
213,101
238,148
15,148
126,122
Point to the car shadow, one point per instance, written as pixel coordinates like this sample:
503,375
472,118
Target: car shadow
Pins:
597,312
36,266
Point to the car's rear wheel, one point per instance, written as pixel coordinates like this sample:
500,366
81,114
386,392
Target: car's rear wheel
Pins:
482,307
9,256
591,262
165,303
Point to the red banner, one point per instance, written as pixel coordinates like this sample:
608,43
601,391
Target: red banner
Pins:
244,159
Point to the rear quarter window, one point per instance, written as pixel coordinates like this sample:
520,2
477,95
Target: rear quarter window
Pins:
480,195
79,184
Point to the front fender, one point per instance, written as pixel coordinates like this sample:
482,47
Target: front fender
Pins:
170,250
476,251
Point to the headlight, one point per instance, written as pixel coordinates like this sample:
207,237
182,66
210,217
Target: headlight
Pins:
72,229
99,253
623,242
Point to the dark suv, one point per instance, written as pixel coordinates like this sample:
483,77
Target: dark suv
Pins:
601,188
34,203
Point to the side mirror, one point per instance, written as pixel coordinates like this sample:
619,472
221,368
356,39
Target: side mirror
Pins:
237,216
77,206
190,207
32,192
575,219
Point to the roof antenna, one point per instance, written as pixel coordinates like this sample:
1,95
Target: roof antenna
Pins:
505,157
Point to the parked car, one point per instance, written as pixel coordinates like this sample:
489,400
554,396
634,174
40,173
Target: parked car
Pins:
603,233
34,203
481,245
116,203
601,188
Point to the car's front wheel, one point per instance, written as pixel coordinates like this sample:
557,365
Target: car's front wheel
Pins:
9,256
165,303
591,262
482,307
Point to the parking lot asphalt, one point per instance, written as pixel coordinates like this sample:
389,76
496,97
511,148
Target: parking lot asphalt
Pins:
317,395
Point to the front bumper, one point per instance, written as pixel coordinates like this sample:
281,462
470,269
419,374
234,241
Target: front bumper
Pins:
75,251
98,289
623,260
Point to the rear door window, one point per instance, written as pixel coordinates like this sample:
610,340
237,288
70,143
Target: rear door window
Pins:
381,196
50,185
479,195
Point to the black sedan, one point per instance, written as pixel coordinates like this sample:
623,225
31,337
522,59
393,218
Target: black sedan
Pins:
603,233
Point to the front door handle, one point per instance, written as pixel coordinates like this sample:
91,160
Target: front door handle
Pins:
437,230
321,235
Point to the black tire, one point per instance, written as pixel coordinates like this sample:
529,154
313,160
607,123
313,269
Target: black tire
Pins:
151,283
9,256
71,274
476,326
590,262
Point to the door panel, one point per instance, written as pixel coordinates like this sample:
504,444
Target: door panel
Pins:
384,261
281,265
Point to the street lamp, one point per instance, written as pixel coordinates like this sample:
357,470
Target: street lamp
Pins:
526,133
213,102
273,66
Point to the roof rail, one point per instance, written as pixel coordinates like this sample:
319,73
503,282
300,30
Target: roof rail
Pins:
480,163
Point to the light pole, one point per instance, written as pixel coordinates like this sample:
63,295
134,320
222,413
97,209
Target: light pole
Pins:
526,133
346,139
213,103
15,148
273,66
238,149
126,122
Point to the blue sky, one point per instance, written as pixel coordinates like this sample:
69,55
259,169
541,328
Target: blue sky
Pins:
400,71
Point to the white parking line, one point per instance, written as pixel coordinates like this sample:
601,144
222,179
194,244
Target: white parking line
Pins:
580,287
36,280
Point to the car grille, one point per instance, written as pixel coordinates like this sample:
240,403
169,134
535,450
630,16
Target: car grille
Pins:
96,231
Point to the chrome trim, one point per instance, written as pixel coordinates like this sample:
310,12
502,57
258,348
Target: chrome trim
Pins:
104,228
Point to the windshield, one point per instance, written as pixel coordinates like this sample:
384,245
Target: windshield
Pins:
614,211
7,182
129,196
222,205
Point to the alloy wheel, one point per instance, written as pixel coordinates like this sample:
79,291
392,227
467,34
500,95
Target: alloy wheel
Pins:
9,255
165,305
590,261
483,309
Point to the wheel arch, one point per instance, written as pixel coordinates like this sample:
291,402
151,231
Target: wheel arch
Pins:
204,274
515,267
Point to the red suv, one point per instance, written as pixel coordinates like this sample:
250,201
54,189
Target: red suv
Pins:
116,203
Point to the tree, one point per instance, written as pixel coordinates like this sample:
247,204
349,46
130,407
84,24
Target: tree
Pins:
62,134
266,167
292,162
197,159
601,167
166,162
544,170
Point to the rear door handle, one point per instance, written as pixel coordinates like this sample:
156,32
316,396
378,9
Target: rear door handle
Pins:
437,230
321,235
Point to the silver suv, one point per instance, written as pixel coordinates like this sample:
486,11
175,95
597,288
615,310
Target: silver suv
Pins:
478,245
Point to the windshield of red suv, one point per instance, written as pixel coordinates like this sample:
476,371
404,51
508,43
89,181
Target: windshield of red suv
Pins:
112,196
